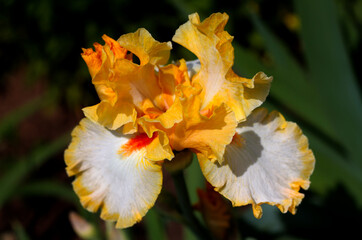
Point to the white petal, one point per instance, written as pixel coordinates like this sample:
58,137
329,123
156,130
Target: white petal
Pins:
267,162
112,173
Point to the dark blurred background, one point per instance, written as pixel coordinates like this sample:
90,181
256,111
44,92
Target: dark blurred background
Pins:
312,48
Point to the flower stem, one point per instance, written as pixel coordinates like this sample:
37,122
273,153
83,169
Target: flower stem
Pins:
193,223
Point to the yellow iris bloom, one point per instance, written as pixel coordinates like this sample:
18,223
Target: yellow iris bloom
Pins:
148,109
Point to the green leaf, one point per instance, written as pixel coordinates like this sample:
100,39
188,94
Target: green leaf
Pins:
11,120
49,188
331,168
194,179
15,174
20,231
247,63
290,85
331,72
60,191
154,227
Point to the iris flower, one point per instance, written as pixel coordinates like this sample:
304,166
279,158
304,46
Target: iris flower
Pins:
149,110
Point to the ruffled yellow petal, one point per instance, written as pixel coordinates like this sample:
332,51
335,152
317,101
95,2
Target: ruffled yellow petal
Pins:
114,50
93,59
170,77
256,95
160,122
166,109
112,172
111,116
164,120
111,51
212,46
249,97
144,46
208,135
125,88
268,161
202,42
159,149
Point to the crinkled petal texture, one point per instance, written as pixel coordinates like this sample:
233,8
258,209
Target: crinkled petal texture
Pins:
126,87
196,130
112,172
267,162
183,125
212,46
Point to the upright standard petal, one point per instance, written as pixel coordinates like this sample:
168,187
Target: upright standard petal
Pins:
144,46
212,46
125,86
268,161
112,173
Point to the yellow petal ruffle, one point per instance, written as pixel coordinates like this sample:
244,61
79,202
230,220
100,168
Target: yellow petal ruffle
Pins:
123,85
208,135
212,46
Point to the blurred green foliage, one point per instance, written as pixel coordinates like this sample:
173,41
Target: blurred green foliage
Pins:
311,48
